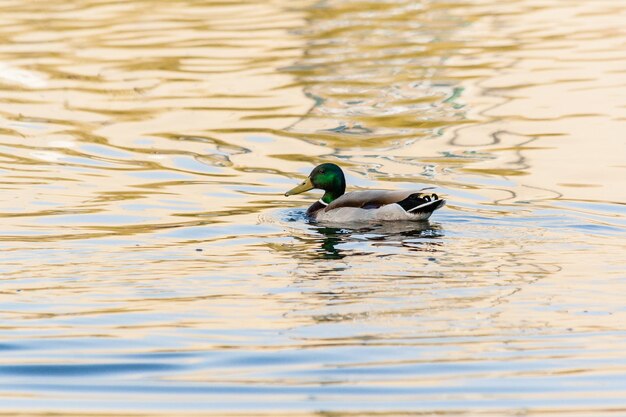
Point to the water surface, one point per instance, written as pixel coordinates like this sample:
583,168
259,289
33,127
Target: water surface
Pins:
152,265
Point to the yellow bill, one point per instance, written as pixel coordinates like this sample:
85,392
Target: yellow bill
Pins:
305,186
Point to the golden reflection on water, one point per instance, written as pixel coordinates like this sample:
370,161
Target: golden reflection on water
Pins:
152,265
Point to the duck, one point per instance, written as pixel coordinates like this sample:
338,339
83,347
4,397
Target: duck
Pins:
337,206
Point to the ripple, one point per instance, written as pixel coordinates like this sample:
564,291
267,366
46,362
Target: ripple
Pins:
83,370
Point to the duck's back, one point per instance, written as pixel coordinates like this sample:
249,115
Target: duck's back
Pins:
370,199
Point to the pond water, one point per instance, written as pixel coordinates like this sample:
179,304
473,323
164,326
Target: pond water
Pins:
151,263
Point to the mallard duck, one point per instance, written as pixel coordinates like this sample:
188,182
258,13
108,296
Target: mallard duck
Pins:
363,206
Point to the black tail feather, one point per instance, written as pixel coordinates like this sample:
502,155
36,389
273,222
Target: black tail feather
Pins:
421,203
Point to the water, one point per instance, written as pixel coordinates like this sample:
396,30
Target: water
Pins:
151,264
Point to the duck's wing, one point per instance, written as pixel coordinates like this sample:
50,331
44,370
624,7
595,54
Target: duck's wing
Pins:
372,199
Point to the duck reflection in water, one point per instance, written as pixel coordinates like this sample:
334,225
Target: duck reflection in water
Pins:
417,236
332,236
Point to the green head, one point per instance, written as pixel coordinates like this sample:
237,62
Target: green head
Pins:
327,177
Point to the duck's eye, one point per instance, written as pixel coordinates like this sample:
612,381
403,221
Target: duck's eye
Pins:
321,171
